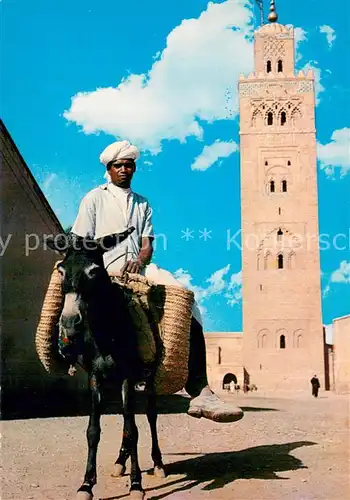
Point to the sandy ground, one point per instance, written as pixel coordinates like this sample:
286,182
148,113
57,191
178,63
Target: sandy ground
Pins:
283,448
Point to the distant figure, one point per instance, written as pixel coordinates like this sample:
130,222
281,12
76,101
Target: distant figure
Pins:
237,388
232,386
315,385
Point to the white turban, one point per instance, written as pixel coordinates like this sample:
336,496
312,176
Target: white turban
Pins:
119,151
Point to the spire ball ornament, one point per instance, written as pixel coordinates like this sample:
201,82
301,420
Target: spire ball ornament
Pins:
273,16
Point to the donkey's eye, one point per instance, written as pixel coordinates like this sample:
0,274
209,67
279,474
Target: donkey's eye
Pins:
92,271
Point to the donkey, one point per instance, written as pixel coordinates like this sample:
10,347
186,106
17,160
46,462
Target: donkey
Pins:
96,331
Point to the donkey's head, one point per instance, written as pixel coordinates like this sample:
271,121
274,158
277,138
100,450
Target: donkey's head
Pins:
86,283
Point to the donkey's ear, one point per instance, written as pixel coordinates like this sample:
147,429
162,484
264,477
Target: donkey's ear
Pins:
122,236
59,243
108,242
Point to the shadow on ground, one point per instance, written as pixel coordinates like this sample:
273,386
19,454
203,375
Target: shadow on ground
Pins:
256,408
221,469
58,403
61,402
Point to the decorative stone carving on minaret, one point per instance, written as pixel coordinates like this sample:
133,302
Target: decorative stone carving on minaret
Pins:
274,50
276,94
274,46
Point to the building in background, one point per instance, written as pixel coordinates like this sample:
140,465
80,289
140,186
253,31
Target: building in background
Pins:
283,342
26,217
341,355
224,359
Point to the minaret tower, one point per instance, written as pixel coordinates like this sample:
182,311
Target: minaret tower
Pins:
282,324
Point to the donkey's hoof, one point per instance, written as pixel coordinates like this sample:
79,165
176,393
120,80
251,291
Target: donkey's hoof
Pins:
137,495
159,472
118,470
84,495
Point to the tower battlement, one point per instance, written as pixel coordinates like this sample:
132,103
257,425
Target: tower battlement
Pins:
300,75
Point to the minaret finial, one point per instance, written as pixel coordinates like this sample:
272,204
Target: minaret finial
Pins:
273,16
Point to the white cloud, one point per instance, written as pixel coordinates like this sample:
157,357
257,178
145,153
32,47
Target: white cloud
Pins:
330,34
319,88
62,193
326,291
212,153
299,37
47,182
335,154
216,281
186,83
234,294
341,275
219,283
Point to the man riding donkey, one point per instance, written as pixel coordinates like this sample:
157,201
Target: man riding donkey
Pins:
112,208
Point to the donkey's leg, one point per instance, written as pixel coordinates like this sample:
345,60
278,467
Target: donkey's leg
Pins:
131,433
124,454
93,437
152,420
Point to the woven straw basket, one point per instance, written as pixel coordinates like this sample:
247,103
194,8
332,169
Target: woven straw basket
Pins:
46,337
161,314
172,372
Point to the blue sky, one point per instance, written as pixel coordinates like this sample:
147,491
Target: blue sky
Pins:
175,65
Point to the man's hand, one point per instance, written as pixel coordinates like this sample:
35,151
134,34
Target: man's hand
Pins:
132,266
143,258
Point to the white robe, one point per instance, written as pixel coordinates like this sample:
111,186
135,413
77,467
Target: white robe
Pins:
109,209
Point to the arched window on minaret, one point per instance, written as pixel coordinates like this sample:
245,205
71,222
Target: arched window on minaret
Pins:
257,118
282,342
280,66
296,117
263,338
292,260
280,263
298,341
272,186
284,186
268,67
279,235
270,118
267,260
283,118
258,262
